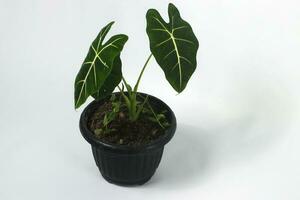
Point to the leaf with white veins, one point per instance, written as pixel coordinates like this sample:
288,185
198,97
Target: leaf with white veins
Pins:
173,45
97,65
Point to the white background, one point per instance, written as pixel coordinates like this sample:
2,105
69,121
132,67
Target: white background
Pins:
238,119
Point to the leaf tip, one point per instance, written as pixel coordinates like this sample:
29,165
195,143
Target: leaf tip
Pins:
76,104
173,10
171,5
126,37
111,23
150,12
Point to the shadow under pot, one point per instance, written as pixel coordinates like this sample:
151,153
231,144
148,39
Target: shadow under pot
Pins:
127,165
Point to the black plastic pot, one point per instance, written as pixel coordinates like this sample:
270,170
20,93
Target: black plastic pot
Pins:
124,165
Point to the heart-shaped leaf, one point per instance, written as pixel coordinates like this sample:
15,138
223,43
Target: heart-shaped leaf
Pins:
98,64
173,45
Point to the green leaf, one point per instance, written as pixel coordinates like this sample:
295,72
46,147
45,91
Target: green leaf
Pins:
98,64
173,45
112,80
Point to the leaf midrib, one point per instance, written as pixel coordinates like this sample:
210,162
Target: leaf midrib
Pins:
175,46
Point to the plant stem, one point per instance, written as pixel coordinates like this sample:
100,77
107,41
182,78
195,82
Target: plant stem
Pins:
127,101
128,88
131,100
140,76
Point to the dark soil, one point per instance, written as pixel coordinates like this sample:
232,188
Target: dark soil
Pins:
121,130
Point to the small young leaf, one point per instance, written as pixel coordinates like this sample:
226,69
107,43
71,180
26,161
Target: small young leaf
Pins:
105,120
98,131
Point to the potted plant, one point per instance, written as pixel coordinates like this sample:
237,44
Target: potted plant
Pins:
128,129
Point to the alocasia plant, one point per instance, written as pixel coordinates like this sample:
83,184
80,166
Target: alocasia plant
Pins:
173,45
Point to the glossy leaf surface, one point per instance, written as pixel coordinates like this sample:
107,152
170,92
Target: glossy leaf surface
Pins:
98,65
173,45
